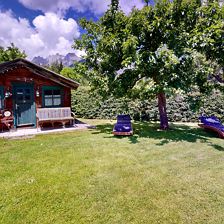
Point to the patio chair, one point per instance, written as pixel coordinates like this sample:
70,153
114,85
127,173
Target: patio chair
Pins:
212,123
123,127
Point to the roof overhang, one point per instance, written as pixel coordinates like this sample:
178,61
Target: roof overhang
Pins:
38,70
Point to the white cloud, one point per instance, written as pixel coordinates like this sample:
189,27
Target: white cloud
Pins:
95,6
127,5
49,34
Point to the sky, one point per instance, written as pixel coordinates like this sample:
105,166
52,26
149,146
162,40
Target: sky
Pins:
48,27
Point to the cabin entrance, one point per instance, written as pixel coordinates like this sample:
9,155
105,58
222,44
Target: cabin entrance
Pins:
24,105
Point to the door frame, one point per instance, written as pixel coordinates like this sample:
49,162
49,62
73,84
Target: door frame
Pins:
23,84
2,97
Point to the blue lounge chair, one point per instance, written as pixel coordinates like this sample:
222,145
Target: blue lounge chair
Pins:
123,126
212,123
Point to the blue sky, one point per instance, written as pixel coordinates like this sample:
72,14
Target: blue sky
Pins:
47,27
21,11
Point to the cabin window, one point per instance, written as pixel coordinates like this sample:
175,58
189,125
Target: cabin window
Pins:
1,97
52,96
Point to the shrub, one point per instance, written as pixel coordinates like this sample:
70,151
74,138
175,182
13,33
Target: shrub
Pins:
89,105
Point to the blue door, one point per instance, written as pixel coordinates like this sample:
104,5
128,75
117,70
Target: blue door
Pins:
24,105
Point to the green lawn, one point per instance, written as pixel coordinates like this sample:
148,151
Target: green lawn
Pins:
93,177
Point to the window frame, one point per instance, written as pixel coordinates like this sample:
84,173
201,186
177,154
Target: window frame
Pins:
51,88
2,97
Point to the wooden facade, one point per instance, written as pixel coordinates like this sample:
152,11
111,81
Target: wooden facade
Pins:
25,87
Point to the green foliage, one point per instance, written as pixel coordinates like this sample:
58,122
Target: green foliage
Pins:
78,73
56,66
114,5
11,53
84,102
69,72
207,37
164,48
121,52
147,2
179,107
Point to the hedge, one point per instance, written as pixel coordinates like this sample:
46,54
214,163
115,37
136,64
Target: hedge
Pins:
87,105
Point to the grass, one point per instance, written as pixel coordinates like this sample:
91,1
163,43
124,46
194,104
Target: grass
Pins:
94,177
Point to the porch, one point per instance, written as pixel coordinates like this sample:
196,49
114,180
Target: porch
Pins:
30,132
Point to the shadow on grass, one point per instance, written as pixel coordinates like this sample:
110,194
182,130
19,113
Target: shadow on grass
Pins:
177,133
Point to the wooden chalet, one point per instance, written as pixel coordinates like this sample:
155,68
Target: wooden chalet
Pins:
26,87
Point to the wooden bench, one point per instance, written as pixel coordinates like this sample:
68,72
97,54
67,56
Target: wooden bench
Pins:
54,115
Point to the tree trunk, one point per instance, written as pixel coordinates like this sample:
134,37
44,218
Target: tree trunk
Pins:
162,111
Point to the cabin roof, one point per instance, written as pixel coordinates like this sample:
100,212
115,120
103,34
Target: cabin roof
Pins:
38,70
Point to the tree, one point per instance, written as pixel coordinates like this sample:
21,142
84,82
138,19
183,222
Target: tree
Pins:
68,72
56,66
149,52
147,2
71,73
210,29
11,53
